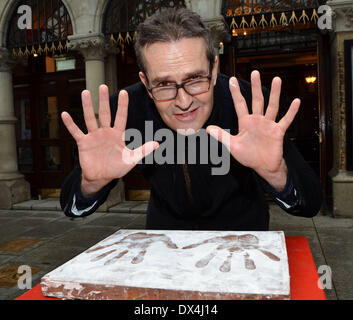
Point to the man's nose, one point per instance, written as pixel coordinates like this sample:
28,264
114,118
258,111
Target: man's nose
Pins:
183,100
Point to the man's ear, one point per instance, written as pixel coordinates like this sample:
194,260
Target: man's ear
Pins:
215,70
144,80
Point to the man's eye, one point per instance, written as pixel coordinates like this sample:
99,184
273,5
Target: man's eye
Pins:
165,84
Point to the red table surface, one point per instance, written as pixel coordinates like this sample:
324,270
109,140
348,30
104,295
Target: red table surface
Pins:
302,270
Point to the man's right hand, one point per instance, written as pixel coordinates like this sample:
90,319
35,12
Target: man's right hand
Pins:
102,151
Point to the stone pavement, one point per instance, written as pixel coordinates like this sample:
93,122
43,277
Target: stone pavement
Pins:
37,234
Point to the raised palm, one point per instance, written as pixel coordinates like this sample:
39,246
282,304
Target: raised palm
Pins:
259,142
103,154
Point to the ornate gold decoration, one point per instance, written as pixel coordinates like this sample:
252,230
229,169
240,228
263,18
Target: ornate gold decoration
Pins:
128,38
315,16
40,50
60,47
112,39
293,18
233,25
46,48
26,52
273,21
253,22
283,20
304,17
53,48
263,21
120,39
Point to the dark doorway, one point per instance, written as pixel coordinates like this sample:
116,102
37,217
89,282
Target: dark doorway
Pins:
300,79
43,89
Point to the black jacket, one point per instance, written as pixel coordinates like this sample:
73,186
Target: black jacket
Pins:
188,196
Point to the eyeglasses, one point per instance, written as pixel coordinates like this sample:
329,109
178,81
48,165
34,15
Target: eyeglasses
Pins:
192,87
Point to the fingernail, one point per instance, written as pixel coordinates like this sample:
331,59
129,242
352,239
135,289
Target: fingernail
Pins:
233,82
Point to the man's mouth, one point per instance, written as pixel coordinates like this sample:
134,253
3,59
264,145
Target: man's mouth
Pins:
187,116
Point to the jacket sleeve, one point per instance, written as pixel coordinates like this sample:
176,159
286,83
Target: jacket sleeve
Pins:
302,195
73,203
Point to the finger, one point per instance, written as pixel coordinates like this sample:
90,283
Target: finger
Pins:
220,135
121,115
104,107
238,99
88,111
257,95
273,104
287,120
145,150
74,130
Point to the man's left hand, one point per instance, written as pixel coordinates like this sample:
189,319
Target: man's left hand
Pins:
259,142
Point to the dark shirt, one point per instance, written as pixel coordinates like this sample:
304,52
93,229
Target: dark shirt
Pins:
188,196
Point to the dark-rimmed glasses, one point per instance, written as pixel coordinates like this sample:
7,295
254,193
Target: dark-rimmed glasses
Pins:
193,87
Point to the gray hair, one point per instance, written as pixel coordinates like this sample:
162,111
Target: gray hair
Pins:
168,25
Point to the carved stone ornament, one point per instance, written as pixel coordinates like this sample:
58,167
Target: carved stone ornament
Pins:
6,60
219,29
92,48
349,17
342,13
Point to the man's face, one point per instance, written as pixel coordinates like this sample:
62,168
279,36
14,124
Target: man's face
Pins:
174,63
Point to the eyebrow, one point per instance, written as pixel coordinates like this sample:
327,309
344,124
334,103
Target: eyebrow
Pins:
186,77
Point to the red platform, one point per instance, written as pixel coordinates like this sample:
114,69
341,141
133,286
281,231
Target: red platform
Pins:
302,270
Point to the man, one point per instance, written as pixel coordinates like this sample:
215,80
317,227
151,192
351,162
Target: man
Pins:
180,90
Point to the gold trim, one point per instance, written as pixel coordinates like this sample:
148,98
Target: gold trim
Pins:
253,22
120,39
263,21
304,17
26,52
315,16
112,39
233,24
128,38
273,21
244,23
53,48
46,48
283,20
40,49
293,18
60,47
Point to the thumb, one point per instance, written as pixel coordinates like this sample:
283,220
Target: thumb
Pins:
220,135
144,151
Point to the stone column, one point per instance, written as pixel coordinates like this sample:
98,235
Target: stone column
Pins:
211,13
13,187
95,50
342,180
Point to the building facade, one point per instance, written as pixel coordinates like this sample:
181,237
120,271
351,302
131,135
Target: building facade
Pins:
62,47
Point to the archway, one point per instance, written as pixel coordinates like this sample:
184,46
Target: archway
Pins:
47,80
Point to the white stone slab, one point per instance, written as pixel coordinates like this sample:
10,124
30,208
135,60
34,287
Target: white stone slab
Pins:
212,264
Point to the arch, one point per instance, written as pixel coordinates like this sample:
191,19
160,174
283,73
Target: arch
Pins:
8,11
124,16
